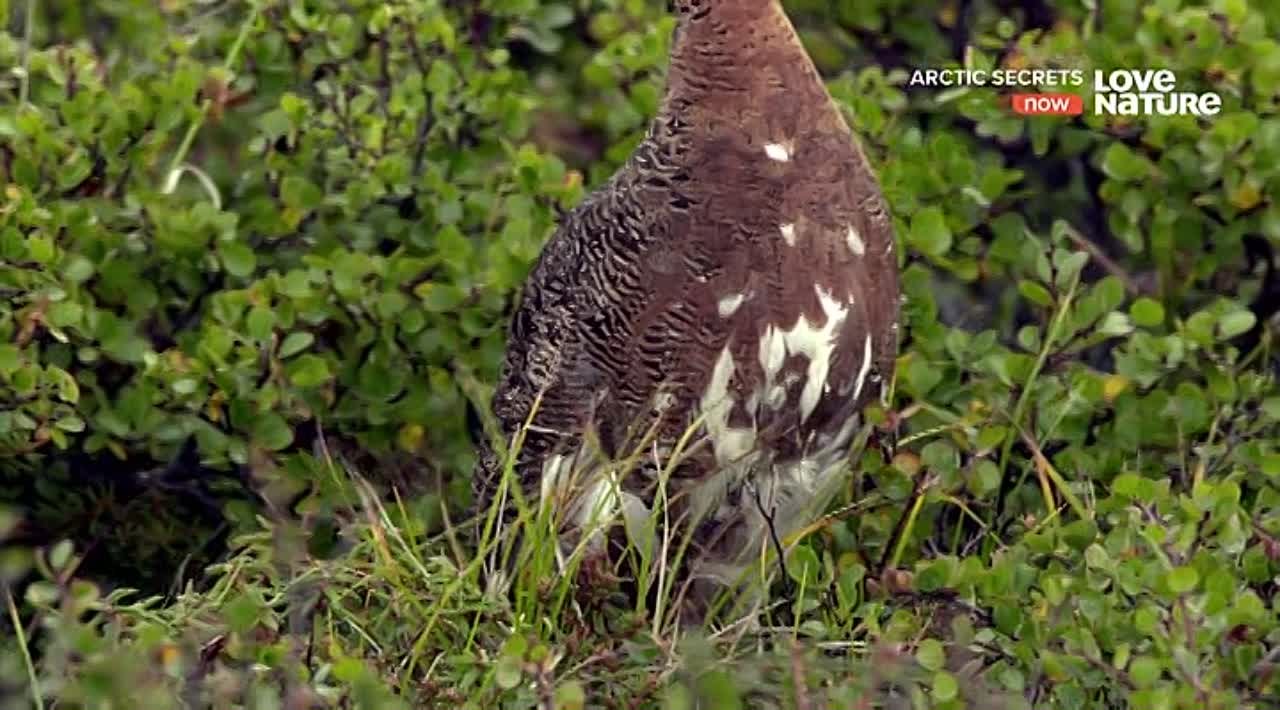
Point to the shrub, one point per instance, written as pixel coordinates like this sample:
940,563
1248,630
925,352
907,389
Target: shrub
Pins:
335,247
260,243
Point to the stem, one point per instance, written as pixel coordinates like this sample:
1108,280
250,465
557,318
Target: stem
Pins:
28,28
37,696
906,524
907,529
1046,472
1024,398
185,146
1097,254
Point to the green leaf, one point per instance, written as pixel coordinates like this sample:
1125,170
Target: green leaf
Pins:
60,555
274,123
931,654
308,370
1147,312
295,343
1068,265
441,78
242,612
929,232
720,691
507,674
349,670
439,297
1145,671
945,687
570,696
301,193
41,249
1080,534
935,575
1120,658
1182,579
77,269
1035,293
1115,324
68,388
237,258
271,431
1235,323
1119,162
922,376
9,359
1270,405
940,456
70,423
803,566
260,322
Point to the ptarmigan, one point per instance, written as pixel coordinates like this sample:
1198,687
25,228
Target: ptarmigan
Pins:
736,279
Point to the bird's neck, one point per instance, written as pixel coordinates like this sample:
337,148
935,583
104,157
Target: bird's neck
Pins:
741,61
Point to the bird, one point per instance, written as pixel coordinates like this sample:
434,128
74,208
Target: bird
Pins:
716,315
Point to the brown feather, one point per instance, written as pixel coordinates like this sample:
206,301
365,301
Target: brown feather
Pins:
745,235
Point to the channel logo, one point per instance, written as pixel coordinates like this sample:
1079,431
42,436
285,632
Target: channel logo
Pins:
1047,104
1062,92
1125,92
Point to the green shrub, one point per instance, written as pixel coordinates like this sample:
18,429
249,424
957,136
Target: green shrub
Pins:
335,247
261,242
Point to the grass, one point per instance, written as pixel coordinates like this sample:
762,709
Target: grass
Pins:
494,611
37,696
421,612
403,616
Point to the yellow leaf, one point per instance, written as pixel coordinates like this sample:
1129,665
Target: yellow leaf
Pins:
292,216
1113,386
410,437
214,407
170,657
907,462
947,15
1246,195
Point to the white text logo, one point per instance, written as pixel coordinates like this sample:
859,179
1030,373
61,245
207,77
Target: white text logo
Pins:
1130,92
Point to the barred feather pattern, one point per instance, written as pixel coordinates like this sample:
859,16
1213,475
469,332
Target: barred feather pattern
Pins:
738,273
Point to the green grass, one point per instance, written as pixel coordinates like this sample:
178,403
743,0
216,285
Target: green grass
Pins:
401,617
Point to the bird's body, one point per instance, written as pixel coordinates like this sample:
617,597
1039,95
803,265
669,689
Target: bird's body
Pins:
735,278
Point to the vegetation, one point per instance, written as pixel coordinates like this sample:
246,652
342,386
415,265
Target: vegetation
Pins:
254,261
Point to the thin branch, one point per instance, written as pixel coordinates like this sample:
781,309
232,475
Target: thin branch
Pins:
773,537
175,165
1106,262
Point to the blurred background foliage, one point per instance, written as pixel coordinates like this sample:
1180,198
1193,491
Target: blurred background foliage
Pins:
247,246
